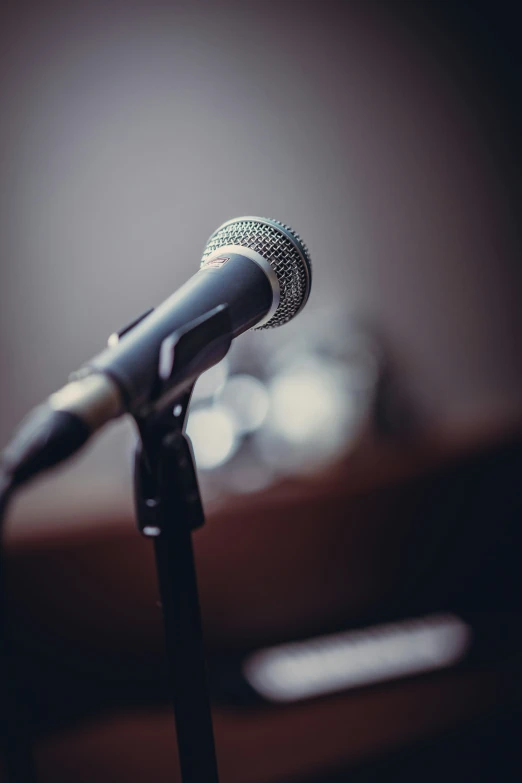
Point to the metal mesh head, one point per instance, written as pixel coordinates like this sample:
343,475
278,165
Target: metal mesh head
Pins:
282,248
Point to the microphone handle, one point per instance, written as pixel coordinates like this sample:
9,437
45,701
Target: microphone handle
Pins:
230,278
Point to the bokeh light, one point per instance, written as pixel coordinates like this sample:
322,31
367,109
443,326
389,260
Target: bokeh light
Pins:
213,435
247,398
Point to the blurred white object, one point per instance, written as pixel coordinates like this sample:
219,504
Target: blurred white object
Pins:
290,672
213,435
308,401
313,414
288,402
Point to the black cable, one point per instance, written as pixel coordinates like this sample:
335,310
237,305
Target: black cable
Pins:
15,728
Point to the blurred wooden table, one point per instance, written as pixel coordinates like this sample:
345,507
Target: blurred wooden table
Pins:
391,528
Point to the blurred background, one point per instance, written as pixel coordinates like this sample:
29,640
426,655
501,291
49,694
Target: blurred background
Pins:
360,466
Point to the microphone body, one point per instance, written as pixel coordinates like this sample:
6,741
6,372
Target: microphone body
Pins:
145,368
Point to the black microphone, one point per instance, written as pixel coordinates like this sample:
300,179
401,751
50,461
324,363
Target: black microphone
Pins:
255,273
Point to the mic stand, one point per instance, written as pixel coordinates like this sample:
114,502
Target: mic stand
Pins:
168,509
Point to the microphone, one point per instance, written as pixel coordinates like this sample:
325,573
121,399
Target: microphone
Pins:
255,273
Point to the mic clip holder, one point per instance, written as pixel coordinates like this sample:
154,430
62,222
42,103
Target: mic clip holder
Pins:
183,356
168,508
165,475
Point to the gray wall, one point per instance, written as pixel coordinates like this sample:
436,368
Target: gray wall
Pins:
130,131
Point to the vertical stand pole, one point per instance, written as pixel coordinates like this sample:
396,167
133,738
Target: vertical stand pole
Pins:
168,508
177,580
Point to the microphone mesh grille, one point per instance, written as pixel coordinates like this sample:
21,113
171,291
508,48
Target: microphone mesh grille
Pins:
282,248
